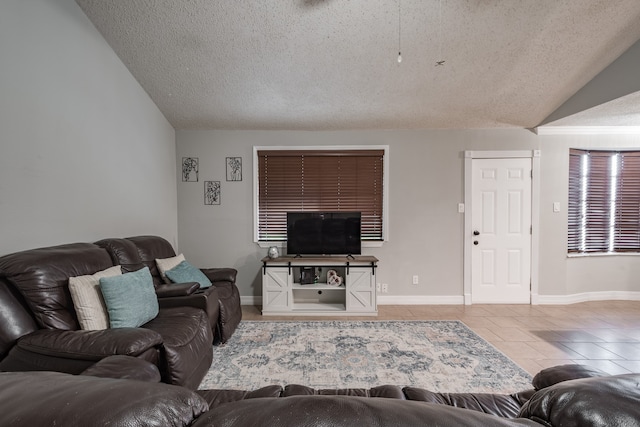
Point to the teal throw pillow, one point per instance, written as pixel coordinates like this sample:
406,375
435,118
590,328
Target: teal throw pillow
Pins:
185,272
130,298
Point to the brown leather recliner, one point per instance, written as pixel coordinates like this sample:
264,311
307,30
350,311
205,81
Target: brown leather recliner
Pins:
221,301
39,329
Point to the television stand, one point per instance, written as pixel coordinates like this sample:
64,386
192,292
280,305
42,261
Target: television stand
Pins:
284,291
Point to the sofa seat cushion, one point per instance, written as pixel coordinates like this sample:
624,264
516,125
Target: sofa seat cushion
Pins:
51,398
42,277
186,351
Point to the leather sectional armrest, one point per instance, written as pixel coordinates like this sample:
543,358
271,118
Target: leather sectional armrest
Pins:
177,289
125,367
53,398
556,374
90,345
221,274
587,402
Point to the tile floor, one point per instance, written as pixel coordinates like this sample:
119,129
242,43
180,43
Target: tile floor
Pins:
604,334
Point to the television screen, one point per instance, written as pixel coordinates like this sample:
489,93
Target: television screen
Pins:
323,233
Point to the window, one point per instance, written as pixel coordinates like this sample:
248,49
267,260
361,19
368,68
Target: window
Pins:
319,180
604,201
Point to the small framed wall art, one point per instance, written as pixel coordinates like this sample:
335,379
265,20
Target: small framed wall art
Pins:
190,169
234,168
212,192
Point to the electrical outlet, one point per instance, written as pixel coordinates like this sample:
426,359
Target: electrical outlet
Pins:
416,279
385,288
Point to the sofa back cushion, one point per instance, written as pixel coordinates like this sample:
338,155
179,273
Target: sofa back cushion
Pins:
15,320
42,276
123,253
150,248
347,411
134,253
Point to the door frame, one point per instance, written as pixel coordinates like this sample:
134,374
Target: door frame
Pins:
469,156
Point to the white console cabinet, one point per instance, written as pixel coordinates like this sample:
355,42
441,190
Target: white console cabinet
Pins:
283,292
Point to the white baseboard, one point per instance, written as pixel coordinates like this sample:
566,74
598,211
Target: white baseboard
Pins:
420,300
250,300
584,297
460,300
388,300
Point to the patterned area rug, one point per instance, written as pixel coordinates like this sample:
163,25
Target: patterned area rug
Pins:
442,356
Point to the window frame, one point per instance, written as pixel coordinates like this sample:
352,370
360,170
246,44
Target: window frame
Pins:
385,190
608,177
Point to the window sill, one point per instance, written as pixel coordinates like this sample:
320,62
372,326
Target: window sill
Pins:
280,245
603,254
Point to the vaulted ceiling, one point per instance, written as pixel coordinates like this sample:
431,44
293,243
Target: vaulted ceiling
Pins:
333,64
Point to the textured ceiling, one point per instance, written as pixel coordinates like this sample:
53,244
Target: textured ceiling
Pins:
332,64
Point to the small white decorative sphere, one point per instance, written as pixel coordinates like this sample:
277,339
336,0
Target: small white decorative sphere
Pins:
273,252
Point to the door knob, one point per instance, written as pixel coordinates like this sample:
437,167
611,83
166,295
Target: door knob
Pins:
475,242
476,233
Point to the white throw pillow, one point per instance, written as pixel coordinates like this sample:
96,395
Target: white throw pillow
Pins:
167,264
87,298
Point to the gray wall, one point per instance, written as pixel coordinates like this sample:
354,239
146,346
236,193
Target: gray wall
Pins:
595,277
425,230
84,152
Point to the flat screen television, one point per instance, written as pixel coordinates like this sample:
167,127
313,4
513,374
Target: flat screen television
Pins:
323,233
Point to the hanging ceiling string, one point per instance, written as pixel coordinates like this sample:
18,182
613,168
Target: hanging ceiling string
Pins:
441,61
399,32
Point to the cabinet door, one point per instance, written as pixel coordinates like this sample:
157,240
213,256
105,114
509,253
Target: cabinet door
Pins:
361,291
276,289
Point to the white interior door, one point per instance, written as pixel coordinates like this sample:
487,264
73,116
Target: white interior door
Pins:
501,231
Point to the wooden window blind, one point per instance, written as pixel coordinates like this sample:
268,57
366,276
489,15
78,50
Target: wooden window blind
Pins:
319,180
604,201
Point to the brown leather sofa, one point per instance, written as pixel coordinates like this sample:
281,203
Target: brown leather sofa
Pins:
221,301
569,395
39,329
